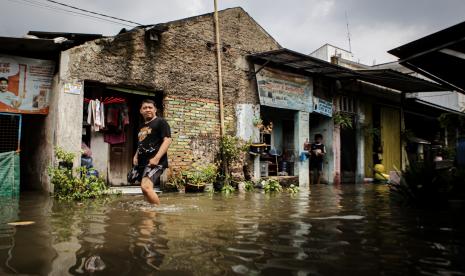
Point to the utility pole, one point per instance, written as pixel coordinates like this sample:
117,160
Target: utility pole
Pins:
220,76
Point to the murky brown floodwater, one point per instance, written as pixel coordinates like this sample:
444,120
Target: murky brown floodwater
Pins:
350,230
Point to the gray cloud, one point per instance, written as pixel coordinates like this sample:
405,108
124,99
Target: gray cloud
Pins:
303,25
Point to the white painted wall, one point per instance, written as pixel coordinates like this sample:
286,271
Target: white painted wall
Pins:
100,153
245,129
327,51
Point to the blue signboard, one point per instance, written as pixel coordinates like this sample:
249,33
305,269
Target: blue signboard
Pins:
284,90
322,107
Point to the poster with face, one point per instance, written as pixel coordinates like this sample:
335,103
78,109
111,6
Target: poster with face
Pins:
25,84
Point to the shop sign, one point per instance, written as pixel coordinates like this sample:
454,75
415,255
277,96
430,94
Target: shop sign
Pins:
25,84
284,90
322,107
73,87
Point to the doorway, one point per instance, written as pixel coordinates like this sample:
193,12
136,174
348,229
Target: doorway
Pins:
348,154
114,146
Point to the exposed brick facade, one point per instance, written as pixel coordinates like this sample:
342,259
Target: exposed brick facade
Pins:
195,130
182,66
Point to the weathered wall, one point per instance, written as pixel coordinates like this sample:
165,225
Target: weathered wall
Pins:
184,67
194,128
42,144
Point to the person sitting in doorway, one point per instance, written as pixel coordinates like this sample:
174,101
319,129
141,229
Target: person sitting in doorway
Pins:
317,153
151,157
86,160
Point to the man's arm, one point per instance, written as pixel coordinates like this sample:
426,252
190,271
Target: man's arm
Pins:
134,159
162,151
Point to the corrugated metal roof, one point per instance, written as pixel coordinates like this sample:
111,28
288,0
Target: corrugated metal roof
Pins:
439,56
308,65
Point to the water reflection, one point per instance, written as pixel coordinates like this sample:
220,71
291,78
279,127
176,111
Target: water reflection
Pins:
330,230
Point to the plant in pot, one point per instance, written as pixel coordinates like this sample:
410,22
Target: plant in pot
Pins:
197,179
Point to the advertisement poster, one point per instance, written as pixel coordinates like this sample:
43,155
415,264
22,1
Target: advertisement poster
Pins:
25,84
284,90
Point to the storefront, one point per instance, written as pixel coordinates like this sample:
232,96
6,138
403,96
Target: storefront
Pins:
25,87
285,102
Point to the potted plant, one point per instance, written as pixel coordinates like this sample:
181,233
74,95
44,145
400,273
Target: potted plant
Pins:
199,177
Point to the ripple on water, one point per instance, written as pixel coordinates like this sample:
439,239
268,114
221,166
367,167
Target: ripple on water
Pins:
350,229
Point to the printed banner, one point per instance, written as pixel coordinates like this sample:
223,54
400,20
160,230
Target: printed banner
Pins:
25,84
284,90
323,107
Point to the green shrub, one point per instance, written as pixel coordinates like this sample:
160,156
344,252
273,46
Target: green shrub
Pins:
74,186
199,175
227,189
271,185
293,189
344,120
231,150
249,186
423,185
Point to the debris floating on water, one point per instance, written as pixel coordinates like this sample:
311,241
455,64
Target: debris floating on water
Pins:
21,223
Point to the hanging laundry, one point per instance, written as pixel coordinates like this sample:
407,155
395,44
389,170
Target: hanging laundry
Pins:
114,138
97,118
102,115
117,118
96,115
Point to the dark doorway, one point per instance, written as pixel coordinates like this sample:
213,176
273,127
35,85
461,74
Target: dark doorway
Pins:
348,154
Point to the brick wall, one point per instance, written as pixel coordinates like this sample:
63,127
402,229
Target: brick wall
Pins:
182,66
195,130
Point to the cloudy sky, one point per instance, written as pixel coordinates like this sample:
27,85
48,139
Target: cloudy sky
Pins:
302,25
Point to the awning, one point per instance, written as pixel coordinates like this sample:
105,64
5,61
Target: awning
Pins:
439,56
14,45
44,44
300,62
307,65
398,81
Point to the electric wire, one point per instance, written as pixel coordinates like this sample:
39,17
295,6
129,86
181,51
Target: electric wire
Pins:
37,4
92,12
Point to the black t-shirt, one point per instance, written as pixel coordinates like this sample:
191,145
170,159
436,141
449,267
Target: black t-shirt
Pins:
151,136
317,158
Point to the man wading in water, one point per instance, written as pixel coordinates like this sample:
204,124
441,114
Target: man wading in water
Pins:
151,159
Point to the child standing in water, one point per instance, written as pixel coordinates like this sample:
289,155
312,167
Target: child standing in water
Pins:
317,153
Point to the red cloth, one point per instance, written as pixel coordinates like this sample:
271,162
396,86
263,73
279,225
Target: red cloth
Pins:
114,138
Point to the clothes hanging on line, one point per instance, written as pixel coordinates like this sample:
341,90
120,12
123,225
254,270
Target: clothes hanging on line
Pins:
96,114
110,116
117,118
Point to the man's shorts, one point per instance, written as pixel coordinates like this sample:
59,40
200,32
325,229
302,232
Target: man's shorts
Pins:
316,165
139,172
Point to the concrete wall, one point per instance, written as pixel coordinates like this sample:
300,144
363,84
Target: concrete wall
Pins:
326,128
301,131
247,131
41,143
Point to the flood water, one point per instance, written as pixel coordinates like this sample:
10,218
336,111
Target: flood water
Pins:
345,230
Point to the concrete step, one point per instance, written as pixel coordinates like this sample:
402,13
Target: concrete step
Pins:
130,190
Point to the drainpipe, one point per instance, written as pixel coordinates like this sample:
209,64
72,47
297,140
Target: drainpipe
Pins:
220,76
